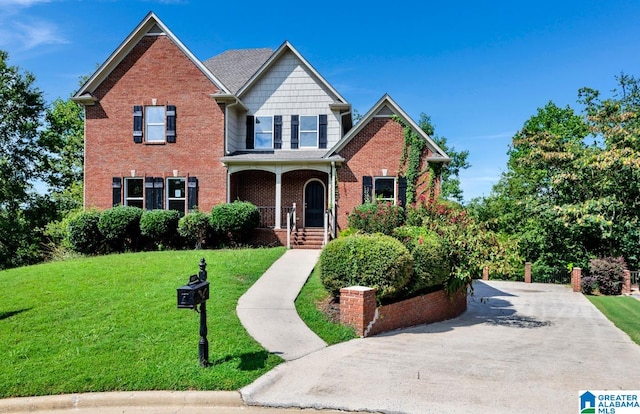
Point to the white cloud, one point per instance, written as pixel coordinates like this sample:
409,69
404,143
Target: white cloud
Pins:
37,33
21,3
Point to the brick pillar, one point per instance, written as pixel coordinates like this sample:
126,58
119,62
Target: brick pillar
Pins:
527,272
357,307
485,273
626,283
576,279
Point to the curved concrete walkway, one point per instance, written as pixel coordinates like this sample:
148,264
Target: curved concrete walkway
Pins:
267,309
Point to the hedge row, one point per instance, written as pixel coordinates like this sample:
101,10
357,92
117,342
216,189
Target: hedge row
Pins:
125,228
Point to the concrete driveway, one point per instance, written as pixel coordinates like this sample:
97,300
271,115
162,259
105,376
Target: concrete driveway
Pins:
520,348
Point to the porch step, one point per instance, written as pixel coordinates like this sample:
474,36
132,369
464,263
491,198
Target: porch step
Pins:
307,238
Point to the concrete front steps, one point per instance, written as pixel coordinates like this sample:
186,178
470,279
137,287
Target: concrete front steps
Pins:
307,238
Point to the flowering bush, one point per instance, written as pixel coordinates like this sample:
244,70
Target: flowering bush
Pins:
609,274
376,218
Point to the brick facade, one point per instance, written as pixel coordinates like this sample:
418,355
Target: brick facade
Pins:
155,69
379,145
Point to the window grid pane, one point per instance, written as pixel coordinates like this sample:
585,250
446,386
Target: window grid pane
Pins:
154,122
308,131
384,189
133,192
176,194
263,132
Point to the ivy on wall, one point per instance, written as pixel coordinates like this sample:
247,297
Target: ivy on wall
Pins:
412,154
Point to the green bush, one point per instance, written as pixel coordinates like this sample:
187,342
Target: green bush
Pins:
430,264
376,218
376,261
83,233
234,220
120,227
609,274
161,226
194,227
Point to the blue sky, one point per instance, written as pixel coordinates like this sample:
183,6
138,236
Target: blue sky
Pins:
480,69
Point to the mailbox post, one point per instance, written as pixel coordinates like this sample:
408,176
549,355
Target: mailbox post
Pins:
194,293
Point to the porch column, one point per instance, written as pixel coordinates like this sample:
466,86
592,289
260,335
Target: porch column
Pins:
278,197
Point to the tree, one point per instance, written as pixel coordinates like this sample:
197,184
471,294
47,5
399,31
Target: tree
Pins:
449,173
21,107
63,142
570,191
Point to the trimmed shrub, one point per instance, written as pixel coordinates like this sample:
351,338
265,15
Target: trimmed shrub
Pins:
120,227
194,227
234,220
376,261
161,226
83,233
609,273
588,285
376,218
430,264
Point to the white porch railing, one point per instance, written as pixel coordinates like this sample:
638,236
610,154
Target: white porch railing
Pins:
291,224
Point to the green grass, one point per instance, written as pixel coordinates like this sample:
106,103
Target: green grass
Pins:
623,311
310,296
111,323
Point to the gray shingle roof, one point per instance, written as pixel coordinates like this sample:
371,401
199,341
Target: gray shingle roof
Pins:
235,67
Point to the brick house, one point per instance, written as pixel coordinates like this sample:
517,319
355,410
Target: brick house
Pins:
164,130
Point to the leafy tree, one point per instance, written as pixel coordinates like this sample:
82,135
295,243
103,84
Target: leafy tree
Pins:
570,192
63,142
21,213
450,181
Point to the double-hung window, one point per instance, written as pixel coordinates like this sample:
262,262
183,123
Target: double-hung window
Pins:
308,131
263,132
176,193
384,189
154,123
133,192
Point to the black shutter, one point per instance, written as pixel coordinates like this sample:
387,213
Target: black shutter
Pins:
250,131
158,193
277,132
117,191
171,123
322,131
367,189
402,191
149,193
137,124
192,193
295,125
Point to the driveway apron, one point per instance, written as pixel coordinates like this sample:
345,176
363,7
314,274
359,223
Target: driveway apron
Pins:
519,348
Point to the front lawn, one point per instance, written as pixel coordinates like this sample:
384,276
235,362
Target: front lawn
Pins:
111,323
623,311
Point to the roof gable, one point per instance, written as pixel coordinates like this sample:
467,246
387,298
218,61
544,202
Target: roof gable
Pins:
151,25
277,55
387,107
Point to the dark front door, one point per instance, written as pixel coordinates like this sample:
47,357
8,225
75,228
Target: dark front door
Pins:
314,204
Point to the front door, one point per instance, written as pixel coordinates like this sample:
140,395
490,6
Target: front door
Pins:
314,204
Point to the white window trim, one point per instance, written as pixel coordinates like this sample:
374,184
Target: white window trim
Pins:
126,191
255,132
148,124
395,189
169,198
317,131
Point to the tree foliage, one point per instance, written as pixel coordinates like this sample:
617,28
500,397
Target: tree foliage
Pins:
570,191
450,172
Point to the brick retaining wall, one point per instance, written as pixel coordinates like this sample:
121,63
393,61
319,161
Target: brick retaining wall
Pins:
358,309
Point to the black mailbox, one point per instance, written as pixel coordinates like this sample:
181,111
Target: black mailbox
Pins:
193,293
